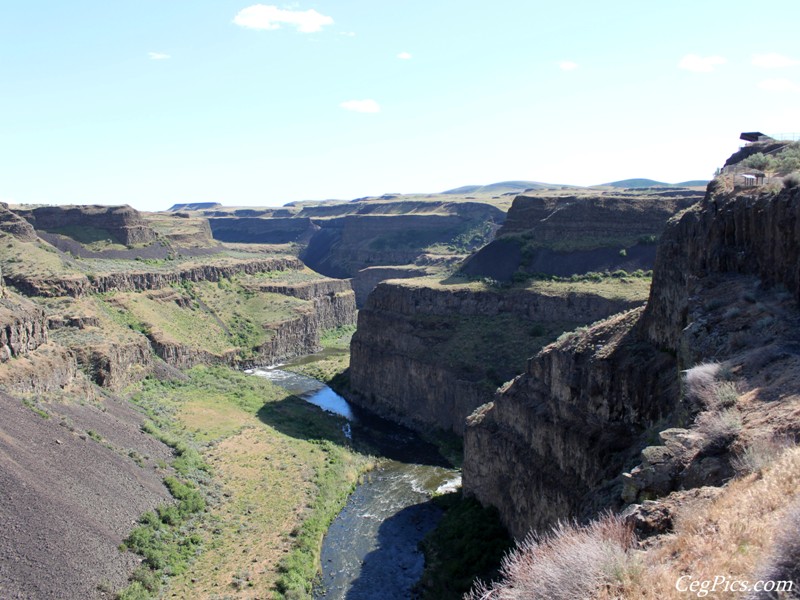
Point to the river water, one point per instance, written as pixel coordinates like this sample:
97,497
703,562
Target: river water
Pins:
371,548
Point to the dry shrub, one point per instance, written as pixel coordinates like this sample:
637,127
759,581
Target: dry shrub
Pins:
569,562
719,428
783,563
760,454
700,382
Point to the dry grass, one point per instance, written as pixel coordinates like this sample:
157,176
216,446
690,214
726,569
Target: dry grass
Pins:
567,563
747,533
730,536
266,480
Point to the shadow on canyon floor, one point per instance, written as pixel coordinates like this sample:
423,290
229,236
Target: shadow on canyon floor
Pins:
367,433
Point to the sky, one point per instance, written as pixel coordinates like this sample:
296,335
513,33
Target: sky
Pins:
155,102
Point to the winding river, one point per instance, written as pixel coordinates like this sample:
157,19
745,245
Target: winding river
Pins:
371,548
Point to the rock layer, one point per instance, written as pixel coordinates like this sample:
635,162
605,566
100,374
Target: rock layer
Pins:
394,367
552,442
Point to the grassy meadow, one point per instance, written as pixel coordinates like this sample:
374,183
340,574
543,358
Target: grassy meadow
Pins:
273,472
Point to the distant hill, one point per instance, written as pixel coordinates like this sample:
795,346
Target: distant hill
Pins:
647,183
503,187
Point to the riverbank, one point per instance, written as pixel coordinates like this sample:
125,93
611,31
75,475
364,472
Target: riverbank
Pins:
277,471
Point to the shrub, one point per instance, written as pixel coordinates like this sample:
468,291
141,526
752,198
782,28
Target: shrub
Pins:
699,384
760,161
719,428
792,180
759,454
571,561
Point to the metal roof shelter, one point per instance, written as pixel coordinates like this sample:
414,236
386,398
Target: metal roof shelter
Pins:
754,136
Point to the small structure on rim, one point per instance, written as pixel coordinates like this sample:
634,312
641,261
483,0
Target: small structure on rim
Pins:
753,179
754,136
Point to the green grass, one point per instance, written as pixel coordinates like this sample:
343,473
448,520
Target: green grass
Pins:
332,365
32,259
215,317
259,475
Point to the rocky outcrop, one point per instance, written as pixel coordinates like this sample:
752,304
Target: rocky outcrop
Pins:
135,281
48,368
15,225
115,366
402,366
726,233
23,327
564,235
123,223
554,442
308,290
367,279
50,287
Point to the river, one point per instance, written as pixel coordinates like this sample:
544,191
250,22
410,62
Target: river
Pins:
371,548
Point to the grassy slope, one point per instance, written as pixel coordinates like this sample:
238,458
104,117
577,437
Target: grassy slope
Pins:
280,471
216,317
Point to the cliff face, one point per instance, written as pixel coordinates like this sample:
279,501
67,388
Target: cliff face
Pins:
564,235
123,223
23,326
559,432
367,279
140,280
554,442
15,225
344,245
420,352
262,231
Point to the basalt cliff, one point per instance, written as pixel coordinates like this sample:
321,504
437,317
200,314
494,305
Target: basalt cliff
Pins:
661,398
82,321
429,350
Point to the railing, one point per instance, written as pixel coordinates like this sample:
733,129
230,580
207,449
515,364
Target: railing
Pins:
785,137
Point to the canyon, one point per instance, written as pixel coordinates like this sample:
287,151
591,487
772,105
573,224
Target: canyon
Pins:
558,333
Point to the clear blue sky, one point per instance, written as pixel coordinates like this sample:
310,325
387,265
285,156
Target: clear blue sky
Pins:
152,102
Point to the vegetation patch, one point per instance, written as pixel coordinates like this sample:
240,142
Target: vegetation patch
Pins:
331,364
491,348
259,476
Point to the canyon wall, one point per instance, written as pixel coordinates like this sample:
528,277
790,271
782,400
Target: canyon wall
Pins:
569,234
554,442
123,223
417,354
76,285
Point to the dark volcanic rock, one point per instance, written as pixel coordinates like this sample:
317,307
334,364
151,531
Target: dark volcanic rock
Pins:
550,443
15,225
123,223
61,533
394,366
565,235
23,326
